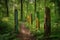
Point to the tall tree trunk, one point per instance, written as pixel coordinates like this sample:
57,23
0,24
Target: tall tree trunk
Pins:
35,6
47,24
6,2
21,10
27,7
36,17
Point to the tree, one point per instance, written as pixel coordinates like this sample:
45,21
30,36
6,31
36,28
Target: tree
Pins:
21,10
6,2
35,6
47,22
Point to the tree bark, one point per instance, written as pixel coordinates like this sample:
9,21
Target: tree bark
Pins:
35,6
21,10
6,2
47,24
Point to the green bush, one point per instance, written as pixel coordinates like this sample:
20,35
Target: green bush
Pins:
4,27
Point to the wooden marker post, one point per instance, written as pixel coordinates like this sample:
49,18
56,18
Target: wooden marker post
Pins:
16,19
38,21
29,19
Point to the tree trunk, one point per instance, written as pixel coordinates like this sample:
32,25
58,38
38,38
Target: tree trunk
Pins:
47,24
27,7
6,2
21,10
35,6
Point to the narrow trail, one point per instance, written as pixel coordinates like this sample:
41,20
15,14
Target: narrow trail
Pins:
24,33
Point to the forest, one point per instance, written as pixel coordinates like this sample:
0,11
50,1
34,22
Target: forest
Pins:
29,19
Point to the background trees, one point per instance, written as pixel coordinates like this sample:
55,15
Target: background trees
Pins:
36,14
7,11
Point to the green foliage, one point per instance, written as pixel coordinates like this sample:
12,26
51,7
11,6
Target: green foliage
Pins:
4,27
7,26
